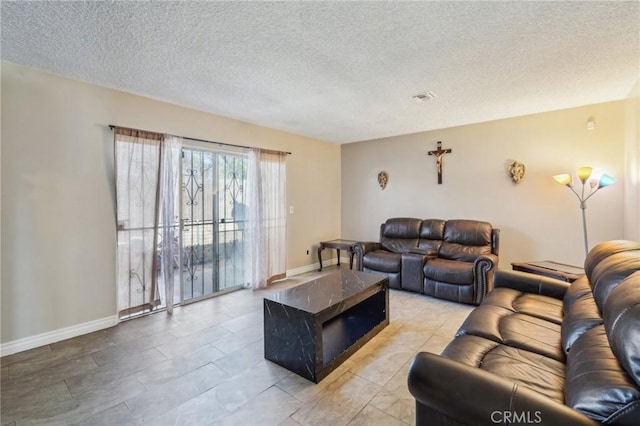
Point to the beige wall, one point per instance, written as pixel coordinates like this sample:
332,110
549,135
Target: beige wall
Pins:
632,165
57,231
539,219
58,225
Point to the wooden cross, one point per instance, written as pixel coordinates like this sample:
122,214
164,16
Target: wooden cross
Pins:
439,153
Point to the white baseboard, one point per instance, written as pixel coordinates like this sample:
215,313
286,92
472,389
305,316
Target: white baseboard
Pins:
316,266
42,339
38,340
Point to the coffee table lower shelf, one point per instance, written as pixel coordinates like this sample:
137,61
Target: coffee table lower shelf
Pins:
312,344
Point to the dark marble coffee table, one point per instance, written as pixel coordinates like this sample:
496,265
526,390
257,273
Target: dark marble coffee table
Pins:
313,328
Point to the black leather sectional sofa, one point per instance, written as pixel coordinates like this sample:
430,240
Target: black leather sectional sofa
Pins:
541,351
452,259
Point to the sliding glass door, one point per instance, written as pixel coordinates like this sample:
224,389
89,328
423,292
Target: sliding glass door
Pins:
212,223
206,235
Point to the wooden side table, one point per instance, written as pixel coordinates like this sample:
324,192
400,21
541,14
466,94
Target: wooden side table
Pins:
548,268
347,245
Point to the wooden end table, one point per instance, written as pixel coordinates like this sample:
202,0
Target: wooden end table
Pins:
348,245
548,268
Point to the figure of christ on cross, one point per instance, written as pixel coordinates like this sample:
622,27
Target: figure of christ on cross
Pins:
439,153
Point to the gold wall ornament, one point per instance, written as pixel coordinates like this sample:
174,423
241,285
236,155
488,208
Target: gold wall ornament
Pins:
383,178
516,170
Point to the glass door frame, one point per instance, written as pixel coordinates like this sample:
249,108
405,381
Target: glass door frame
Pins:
216,221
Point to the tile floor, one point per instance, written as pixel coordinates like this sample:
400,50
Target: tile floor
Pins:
204,366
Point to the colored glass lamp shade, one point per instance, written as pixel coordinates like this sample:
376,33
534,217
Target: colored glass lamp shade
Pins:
583,174
606,180
564,179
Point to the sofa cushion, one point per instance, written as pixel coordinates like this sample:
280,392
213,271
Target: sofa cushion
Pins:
431,234
539,373
580,312
535,305
382,260
448,271
399,235
609,272
514,329
398,245
596,384
394,277
457,292
465,240
604,250
622,323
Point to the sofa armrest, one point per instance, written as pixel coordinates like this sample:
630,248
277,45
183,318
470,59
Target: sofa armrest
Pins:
530,283
470,395
363,248
490,260
483,268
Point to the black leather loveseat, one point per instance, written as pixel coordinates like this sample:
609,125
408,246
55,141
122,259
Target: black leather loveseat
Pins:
452,259
540,351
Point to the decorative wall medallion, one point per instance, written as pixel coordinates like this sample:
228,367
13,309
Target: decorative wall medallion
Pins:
383,178
516,170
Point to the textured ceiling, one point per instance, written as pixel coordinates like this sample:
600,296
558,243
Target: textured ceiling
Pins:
339,71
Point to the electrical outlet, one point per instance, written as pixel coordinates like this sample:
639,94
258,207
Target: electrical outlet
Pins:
307,252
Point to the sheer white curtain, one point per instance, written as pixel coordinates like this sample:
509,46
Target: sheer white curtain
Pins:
146,172
266,225
137,163
168,220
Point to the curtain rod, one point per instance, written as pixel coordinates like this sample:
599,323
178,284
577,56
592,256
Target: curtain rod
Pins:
113,126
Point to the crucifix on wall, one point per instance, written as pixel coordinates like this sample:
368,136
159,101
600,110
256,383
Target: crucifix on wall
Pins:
439,153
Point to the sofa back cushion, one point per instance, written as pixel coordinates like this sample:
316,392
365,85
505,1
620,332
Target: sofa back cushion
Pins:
400,234
603,250
610,271
622,323
431,234
580,312
465,240
602,376
596,384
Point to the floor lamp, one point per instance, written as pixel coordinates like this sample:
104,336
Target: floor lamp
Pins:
594,184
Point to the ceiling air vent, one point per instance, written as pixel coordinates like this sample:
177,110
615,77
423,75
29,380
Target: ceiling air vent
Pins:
424,97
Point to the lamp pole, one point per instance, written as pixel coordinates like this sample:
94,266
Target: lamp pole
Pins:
583,206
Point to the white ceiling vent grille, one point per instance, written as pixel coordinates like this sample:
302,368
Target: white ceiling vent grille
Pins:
423,97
